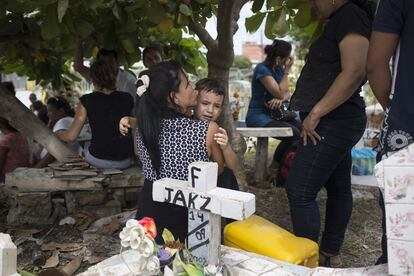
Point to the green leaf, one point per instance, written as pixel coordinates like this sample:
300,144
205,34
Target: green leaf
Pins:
167,236
93,4
270,21
128,46
253,23
257,5
83,28
281,27
184,9
115,11
192,270
293,4
304,16
25,273
61,9
271,3
50,26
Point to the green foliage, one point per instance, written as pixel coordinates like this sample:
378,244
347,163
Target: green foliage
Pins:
242,62
280,16
37,37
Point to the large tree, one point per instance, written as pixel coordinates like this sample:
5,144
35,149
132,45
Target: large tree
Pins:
37,36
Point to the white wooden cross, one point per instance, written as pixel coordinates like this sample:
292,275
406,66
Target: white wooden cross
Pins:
206,205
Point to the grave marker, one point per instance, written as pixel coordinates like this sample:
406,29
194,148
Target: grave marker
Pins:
8,256
206,204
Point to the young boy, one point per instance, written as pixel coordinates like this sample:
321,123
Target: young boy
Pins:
210,101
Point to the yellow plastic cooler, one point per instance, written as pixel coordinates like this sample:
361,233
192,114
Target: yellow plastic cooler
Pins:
260,236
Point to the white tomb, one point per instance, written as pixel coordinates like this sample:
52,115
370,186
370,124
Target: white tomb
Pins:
206,204
8,256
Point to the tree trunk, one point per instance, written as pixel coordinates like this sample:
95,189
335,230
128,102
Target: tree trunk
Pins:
226,118
22,119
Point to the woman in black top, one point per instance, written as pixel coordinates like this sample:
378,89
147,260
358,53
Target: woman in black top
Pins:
333,115
104,108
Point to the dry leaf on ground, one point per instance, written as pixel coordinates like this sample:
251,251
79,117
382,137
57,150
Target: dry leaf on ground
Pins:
110,228
83,220
53,261
22,233
96,259
72,266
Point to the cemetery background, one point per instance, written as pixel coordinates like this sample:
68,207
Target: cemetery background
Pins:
361,248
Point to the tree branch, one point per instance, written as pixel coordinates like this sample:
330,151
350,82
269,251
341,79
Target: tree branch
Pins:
228,14
203,35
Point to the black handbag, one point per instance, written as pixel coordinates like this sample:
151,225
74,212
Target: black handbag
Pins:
282,113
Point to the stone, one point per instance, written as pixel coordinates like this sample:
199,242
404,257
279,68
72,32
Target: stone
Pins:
90,198
131,195
8,256
31,208
110,208
119,194
39,180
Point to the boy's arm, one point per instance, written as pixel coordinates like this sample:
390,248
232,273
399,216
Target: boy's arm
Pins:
230,158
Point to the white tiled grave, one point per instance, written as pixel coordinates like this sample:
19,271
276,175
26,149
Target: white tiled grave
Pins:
240,263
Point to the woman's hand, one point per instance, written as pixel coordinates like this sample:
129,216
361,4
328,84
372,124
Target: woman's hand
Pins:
308,129
288,64
274,103
124,125
221,138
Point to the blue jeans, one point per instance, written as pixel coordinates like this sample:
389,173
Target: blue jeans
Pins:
326,164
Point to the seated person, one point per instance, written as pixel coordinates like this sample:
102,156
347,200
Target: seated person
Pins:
60,118
210,102
270,89
104,108
14,147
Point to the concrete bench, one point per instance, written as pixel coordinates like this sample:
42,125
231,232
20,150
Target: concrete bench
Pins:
263,134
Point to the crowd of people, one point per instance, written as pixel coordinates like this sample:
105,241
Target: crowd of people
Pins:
168,122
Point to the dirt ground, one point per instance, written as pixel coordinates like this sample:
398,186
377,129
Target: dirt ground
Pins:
361,247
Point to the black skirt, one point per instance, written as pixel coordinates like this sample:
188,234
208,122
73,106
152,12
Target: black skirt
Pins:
165,215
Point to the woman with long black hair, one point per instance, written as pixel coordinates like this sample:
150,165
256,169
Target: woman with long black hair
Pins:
169,140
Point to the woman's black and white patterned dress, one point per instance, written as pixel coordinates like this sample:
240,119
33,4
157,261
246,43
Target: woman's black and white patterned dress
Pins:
182,141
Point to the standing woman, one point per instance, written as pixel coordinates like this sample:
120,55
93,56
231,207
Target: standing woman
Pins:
333,115
168,141
270,89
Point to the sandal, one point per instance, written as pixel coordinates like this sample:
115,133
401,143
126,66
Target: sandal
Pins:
327,260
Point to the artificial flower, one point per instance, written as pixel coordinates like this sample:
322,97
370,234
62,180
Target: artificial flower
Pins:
147,247
149,225
153,265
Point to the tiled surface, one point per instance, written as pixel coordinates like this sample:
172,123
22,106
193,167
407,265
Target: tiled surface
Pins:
399,184
402,255
241,263
400,221
404,157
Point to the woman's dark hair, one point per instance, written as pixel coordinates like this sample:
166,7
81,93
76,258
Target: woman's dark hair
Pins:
104,74
157,103
149,49
61,103
279,48
367,5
